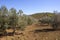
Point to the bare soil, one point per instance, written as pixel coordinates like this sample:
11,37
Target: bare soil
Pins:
29,34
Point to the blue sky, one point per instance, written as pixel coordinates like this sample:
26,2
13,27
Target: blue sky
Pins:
32,6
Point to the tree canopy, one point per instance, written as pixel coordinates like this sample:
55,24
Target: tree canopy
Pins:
13,19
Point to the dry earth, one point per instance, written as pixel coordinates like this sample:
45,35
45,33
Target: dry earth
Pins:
29,34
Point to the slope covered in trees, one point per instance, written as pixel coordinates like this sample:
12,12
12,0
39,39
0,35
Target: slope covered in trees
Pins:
39,15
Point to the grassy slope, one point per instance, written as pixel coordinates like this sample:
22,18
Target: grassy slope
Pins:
38,15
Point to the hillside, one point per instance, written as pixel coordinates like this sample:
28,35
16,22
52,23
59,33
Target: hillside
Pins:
38,15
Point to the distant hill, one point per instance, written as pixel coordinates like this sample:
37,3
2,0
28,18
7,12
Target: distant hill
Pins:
39,15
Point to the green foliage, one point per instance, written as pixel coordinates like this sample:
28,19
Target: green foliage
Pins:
14,19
